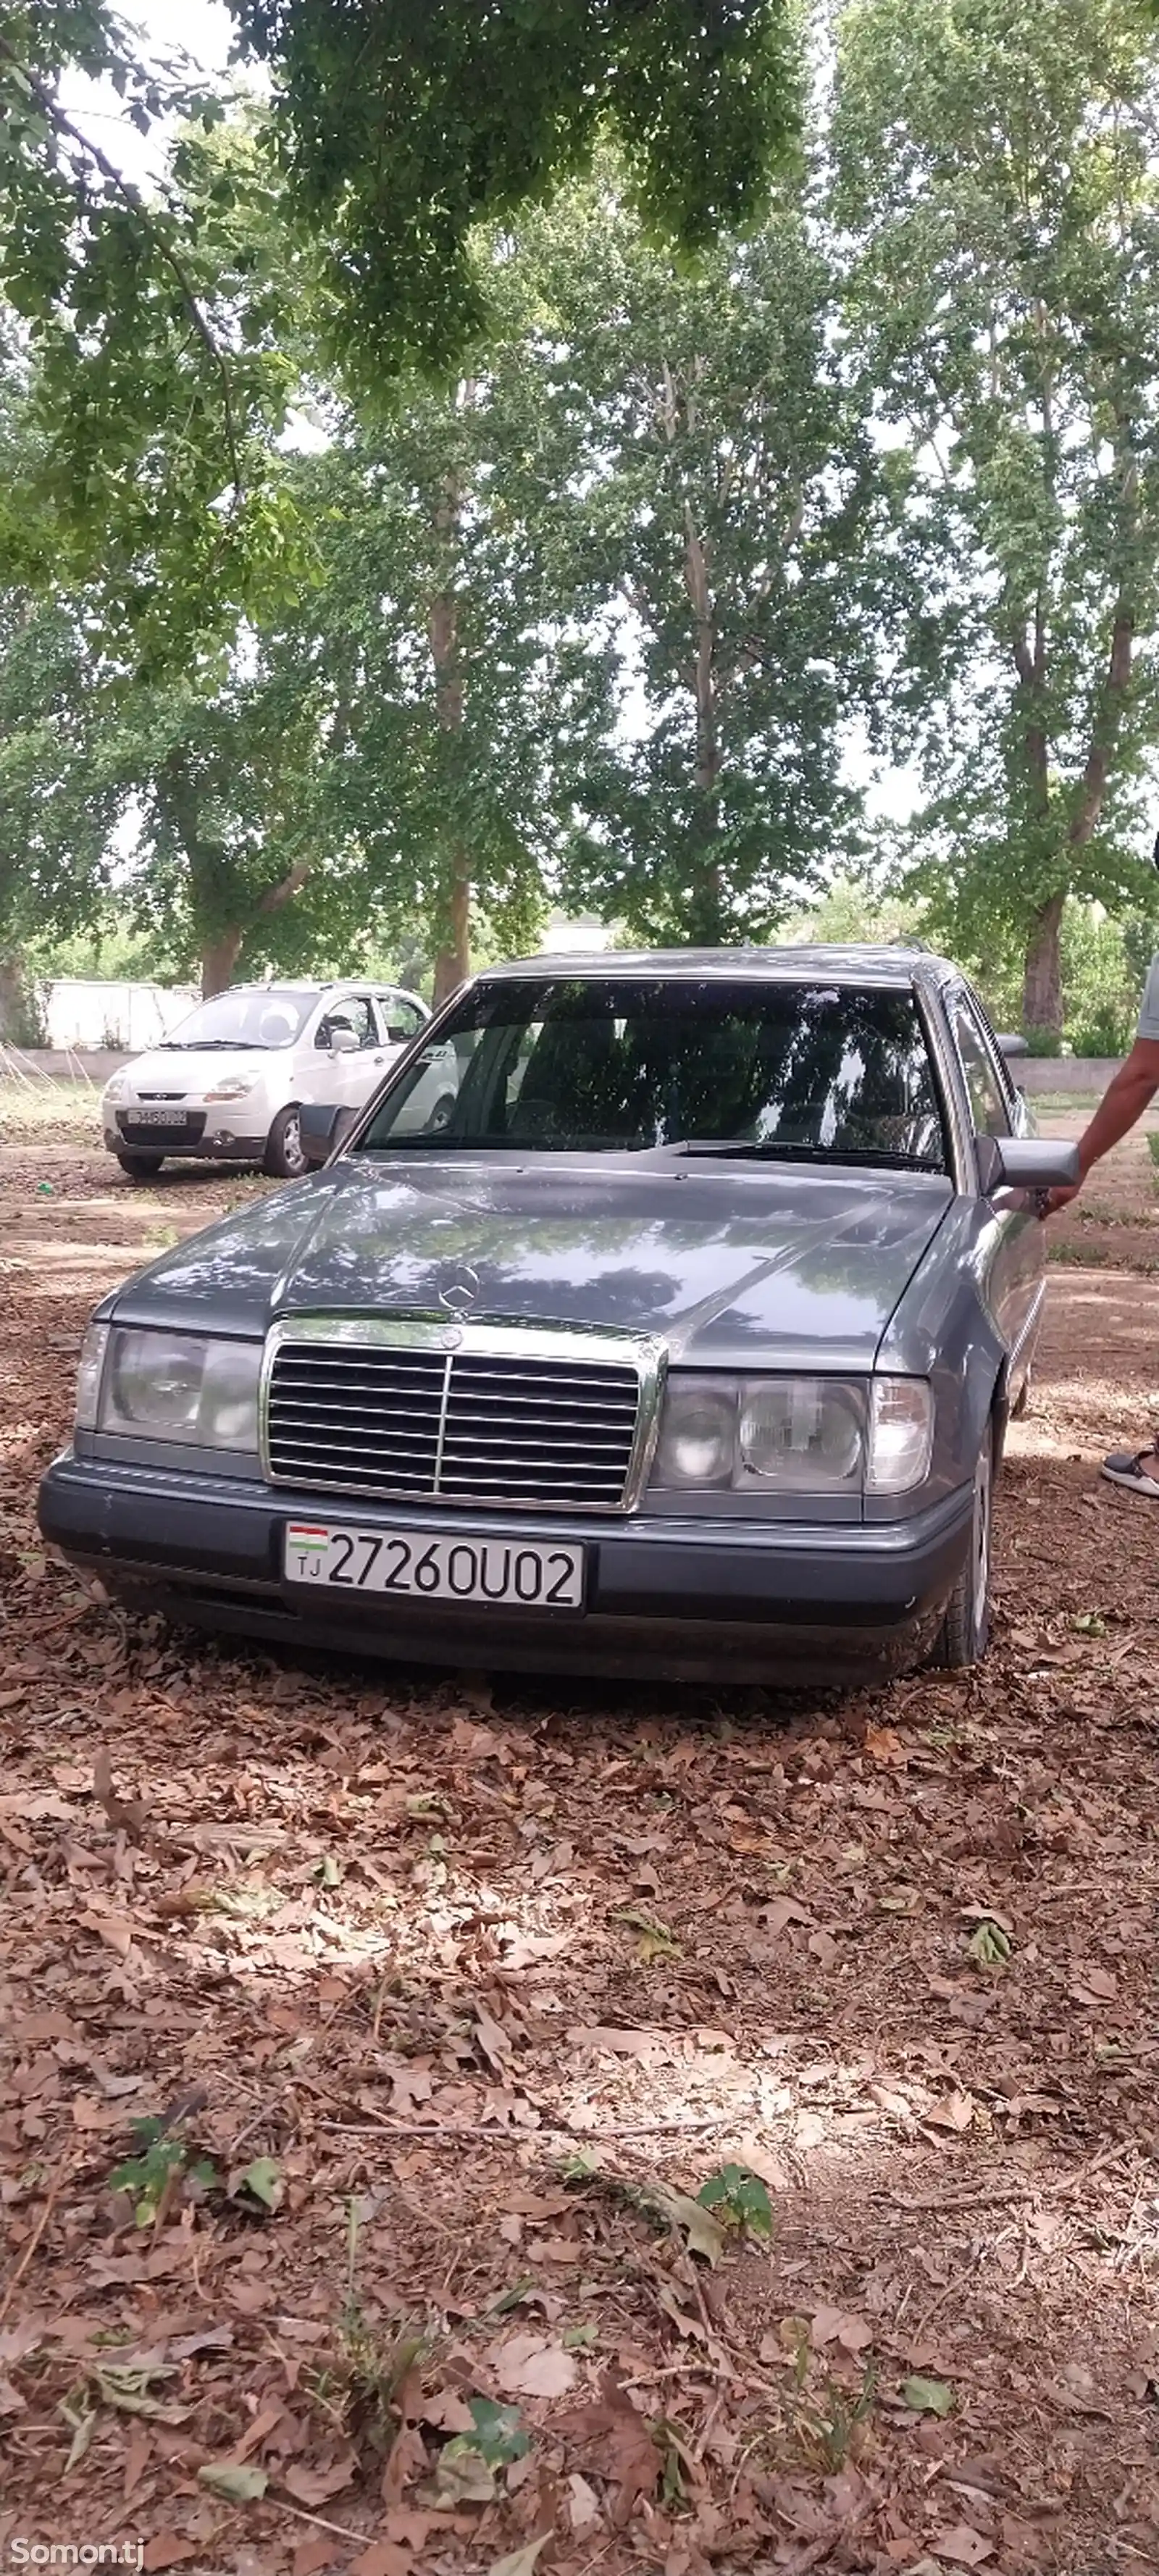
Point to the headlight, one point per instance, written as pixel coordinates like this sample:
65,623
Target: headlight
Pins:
88,1376
115,1088
698,1433
177,1386
234,1087
794,1435
802,1434
901,1434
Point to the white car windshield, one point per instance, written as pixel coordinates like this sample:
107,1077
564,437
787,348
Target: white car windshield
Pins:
254,1015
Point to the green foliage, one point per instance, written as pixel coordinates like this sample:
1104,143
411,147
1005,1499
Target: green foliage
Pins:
464,709
997,179
263,2180
927,2396
740,2199
404,126
235,2481
160,2153
399,128
852,911
721,511
989,1945
496,2433
1102,991
58,801
160,332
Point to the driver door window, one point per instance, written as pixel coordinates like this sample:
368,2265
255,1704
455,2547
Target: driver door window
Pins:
989,1106
354,1012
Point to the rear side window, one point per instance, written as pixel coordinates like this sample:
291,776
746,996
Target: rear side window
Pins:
400,1017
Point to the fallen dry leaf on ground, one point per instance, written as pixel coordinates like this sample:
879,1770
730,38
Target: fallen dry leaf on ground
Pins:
526,2367
399,1981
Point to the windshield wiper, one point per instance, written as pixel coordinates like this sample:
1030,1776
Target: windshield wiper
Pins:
211,1046
767,1150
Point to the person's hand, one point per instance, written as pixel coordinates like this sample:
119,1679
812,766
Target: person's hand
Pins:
1052,1200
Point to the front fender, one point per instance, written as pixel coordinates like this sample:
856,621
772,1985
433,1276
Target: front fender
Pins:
942,1328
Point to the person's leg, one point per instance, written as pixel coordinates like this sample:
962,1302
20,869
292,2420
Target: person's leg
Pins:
1137,1471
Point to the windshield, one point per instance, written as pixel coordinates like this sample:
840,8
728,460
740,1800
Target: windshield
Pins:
253,1015
612,1065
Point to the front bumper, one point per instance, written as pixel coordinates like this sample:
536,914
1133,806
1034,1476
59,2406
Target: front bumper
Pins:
771,1602
179,1146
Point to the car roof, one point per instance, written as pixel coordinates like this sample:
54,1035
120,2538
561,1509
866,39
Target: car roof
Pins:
334,984
846,963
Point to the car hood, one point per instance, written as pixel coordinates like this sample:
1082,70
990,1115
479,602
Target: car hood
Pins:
732,1265
185,1070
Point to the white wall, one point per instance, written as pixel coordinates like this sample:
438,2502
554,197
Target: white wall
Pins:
82,1011
574,938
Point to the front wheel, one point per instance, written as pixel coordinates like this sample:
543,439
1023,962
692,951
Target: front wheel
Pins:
441,1115
965,1630
141,1167
284,1159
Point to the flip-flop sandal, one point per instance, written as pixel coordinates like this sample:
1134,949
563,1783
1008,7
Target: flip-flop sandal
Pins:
1123,1469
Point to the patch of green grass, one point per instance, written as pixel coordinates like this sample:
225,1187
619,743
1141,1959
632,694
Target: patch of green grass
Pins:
1097,1256
60,1113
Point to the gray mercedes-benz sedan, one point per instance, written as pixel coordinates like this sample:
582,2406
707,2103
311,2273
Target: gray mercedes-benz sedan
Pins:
685,1345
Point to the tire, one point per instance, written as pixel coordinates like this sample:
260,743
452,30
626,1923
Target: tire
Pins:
283,1158
140,1167
441,1115
964,1634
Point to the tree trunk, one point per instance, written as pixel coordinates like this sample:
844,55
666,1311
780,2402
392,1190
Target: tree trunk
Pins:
453,963
706,917
21,1016
1042,979
218,960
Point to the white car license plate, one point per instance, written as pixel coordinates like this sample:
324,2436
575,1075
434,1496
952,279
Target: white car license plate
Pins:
158,1117
516,1573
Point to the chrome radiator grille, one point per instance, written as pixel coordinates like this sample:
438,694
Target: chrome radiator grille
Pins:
494,1419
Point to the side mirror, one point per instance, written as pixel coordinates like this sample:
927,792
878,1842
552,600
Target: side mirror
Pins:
400,1037
1026,1163
342,1039
1013,1046
323,1129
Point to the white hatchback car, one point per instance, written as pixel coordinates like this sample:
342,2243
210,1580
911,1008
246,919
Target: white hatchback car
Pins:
228,1085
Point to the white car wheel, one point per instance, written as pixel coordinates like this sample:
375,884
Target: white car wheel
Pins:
284,1158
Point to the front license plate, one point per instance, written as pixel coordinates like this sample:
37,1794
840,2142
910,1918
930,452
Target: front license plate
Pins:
158,1117
512,1572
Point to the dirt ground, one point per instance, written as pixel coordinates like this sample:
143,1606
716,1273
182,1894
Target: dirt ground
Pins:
455,1992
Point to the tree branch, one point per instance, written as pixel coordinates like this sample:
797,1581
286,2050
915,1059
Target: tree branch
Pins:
1022,661
1093,784
45,100
276,896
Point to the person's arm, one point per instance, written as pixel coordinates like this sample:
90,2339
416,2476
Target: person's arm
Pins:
1122,1105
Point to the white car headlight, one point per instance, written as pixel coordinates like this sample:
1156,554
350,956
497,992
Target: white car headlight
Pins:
795,1435
115,1089
234,1087
173,1386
